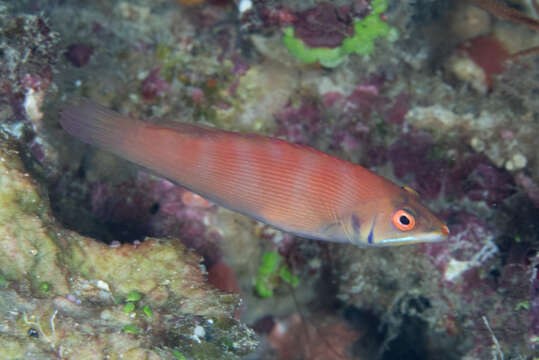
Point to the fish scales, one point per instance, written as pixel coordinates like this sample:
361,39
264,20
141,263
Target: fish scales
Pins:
292,187
279,191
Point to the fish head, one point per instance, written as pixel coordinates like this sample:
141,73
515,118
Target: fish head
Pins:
399,219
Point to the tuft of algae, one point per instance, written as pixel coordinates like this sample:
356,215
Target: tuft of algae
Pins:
62,293
271,271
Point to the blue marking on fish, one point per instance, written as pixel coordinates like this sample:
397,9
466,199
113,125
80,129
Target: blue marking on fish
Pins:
370,238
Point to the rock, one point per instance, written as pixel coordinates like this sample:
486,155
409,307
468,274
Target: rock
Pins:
69,295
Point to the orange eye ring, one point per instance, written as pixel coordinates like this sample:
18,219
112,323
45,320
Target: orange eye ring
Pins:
403,220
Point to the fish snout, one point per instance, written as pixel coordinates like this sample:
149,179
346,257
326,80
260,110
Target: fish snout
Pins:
445,230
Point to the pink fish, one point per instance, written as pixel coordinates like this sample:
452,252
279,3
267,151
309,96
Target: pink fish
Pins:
294,188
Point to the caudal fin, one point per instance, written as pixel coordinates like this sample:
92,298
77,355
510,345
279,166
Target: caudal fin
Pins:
97,125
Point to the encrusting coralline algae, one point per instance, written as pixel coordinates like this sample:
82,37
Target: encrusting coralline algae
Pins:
67,296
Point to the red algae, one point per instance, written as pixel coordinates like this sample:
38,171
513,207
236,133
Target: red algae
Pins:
489,54
412,154
299,124
79,54
153,85
223,278
324,25
313,339
479,180
398,110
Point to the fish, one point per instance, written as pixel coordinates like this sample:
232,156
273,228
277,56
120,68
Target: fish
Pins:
294,188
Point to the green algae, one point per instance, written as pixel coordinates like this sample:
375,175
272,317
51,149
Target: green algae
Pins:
129,308
45,287
178,355
286,275
147,311
366,31
523,305
271,269
269,265
131,329
133,296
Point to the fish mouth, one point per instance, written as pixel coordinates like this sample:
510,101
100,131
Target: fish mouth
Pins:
435,236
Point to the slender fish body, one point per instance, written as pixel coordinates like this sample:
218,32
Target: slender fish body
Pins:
294,188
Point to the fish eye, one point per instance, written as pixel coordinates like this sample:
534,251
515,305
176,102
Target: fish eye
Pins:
403,220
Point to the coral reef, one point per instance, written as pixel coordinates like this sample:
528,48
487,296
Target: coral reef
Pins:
114,264
67,296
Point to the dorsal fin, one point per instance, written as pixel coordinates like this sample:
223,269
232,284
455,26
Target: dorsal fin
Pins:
410,190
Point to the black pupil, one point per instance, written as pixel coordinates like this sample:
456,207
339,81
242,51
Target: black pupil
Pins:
404,220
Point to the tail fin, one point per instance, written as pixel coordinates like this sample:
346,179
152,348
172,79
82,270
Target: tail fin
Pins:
97,125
